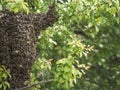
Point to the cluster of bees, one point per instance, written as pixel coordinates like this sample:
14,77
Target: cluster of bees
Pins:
18,36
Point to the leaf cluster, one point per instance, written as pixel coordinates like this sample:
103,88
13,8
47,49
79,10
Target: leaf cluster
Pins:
4,75
15,5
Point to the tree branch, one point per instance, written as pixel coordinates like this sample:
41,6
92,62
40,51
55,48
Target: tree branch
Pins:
42,82
80,32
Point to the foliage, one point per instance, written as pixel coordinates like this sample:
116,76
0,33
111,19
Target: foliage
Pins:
100,23
58,54
16,5
61,54
4,75
38,5
97,23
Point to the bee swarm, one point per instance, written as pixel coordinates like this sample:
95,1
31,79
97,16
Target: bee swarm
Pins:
18,35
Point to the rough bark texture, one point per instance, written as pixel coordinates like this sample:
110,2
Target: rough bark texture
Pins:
18,34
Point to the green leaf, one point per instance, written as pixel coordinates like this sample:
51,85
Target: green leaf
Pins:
0,7
0,85
6,84
16,10
113,10
11,6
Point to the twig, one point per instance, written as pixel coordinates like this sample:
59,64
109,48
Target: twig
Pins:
42,82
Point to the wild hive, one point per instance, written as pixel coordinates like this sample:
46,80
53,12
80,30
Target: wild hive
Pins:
18,34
